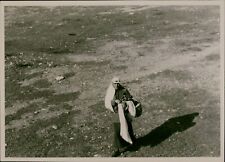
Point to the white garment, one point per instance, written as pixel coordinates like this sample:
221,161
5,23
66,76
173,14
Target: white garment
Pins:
131,108
123,122
109,97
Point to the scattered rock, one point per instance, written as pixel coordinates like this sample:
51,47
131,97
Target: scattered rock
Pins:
36,112
54,127
59,24
58,78
91,39
97,155
165,22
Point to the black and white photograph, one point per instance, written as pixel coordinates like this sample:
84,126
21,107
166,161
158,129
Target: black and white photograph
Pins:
112,81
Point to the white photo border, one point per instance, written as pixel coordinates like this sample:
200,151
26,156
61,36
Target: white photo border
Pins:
112,3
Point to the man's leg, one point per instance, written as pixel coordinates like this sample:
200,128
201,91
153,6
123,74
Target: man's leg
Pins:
117,143
117,140
120,145
131,131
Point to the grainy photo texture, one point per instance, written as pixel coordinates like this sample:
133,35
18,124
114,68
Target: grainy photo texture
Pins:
59,62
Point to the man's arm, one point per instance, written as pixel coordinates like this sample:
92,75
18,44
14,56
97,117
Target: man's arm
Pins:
114,104
127,95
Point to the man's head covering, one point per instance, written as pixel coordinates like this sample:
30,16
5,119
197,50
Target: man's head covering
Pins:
116,80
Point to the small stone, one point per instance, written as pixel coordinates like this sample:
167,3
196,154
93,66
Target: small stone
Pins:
71,138
166,22
54,127
36,112
96,155
59,24
91,38
58,78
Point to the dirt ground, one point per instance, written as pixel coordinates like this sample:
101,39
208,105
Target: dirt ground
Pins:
168,57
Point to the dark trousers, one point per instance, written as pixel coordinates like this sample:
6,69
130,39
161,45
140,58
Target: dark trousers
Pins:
119,142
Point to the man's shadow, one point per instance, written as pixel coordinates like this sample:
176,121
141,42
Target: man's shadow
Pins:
164,131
